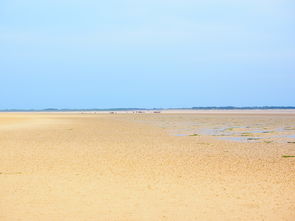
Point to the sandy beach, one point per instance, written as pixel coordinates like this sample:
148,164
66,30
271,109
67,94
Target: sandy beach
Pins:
170,166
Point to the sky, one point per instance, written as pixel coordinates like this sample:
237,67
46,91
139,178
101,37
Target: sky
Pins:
148,53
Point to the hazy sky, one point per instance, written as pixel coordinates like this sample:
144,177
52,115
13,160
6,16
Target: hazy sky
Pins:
147,53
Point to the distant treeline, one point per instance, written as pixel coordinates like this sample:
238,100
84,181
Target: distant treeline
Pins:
68,109
244,108
138,109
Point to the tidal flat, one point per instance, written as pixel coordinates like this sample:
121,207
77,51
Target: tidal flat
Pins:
173,165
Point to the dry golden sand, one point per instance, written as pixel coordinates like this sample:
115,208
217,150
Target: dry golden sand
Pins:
127,167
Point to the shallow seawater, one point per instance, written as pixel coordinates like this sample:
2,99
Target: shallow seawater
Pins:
223,131
250,131
241,139
260,131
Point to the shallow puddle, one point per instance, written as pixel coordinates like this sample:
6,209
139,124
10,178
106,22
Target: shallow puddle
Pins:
241,139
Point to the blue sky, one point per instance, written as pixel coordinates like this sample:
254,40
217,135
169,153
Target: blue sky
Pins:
148,53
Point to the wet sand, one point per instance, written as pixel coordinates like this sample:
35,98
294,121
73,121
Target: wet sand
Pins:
121,167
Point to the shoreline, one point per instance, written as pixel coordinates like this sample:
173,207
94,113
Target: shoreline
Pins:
163,111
